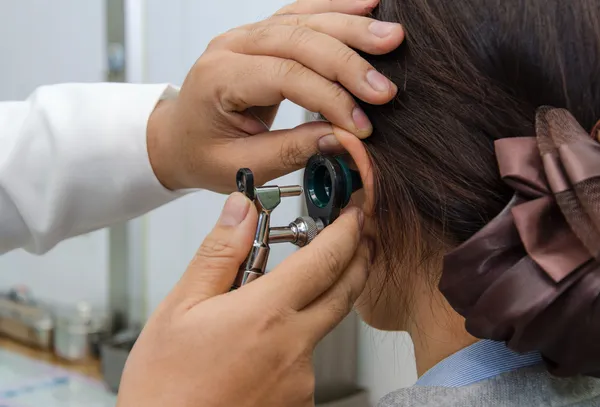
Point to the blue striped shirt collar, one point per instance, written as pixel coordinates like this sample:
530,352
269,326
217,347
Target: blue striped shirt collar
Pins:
480,361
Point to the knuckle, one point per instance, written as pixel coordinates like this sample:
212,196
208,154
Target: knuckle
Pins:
296,19
347,56
299,35
289,68
259,33
293,153
350,21
347,22
217,248
339,93
289,19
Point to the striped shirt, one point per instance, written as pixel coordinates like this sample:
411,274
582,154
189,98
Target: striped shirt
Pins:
480,361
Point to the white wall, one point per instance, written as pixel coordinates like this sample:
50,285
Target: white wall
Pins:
44,42
385,361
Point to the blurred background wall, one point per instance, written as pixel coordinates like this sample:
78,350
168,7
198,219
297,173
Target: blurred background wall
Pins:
45,42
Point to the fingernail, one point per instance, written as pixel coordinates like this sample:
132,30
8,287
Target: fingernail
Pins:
329,144
361,121
235,210
377,81
381,29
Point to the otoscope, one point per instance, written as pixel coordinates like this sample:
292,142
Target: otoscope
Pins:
328,186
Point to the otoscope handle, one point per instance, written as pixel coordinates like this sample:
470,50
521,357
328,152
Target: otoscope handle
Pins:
253,267
266,199
256,262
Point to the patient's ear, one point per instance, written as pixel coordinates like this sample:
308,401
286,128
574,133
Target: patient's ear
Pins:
358,159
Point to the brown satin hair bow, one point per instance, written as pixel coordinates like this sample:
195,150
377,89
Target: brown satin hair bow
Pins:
531,277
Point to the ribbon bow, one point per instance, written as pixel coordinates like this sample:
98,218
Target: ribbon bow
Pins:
531,277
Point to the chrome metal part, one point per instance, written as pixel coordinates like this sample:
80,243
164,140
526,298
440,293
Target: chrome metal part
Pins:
267,199
300,232
294,190
308,228
282,234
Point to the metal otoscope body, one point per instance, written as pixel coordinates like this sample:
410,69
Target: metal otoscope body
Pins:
328,186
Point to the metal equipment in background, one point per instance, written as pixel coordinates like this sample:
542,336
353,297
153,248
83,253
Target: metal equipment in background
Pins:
24,320
71,333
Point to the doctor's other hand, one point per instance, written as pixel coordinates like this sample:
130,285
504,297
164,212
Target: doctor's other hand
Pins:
252,347
306,53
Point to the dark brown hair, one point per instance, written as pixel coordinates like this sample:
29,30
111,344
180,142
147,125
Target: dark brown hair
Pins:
469,72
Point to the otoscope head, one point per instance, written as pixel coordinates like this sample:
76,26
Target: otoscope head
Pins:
328,186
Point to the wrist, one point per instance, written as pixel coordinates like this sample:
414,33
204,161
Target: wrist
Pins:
162,151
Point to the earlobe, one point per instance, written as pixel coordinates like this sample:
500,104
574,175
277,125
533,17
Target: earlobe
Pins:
357,151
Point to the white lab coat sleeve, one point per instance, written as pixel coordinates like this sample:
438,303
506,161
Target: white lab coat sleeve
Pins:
73,158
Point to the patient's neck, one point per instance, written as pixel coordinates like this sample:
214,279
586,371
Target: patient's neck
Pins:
436,329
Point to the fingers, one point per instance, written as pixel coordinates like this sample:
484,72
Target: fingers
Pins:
269,80
329,56
305,58
281,152
358,7
366,34
320,317
214,267
311,271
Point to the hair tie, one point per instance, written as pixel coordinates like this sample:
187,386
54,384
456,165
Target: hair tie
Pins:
531,277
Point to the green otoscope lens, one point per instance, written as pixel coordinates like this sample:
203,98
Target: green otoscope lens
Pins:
319,186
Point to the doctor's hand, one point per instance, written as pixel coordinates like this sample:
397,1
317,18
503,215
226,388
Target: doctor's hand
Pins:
205,346
306,53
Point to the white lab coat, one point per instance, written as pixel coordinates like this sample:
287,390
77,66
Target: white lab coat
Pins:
73,159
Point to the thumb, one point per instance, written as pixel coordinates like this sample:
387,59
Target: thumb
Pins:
277,153
215,265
